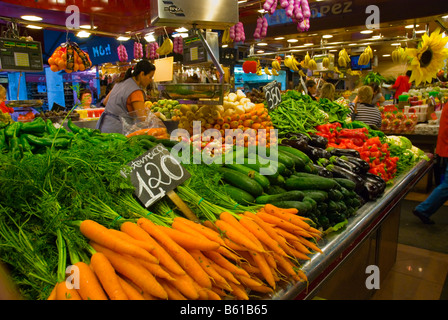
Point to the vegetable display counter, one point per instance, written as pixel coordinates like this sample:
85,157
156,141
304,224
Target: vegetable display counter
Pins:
369,239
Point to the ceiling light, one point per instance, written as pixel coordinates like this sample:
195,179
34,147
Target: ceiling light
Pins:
260,51
262,11
327,36
293,40
279,38
376,37
262,44
242,1
308,44
33,27
396,44
366,31
410,26
121,38
31,18
88,27
225,45
333,50
150,37
352,44
420,31
445,17
83,34
386,55
181,29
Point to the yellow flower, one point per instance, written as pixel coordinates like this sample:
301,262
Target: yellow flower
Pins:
428,58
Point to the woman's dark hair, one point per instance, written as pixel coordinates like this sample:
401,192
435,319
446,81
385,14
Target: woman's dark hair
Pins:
142,66
310,83
83,92
375,86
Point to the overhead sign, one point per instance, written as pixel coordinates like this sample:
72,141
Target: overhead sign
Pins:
20,55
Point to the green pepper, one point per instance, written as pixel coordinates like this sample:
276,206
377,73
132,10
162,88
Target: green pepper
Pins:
75,129
117,136
25,144
47,141
36,126
3,145
13,129
51,129
15,148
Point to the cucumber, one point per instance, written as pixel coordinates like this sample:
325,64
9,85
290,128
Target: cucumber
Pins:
240,180
304,174
301,206
296,152
311,201
317,195
294,195
275,190
285,159
273,171
346,183
307,183
310,168
322,207
346,194
336,195
333,206
277,181
239,195
299,164
262,180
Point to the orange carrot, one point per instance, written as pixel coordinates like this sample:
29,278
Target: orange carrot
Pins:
101,235
156,269
107,276
239,292
226,264
225,273
89,286
64,293
208,267
269,208
212,295
130,268
182,257
203,295
173,293
52,295
131,292
236,236
233,246
160,253
188,241
281,223
126,237
310,244
205,231
226,216
261,263
184,284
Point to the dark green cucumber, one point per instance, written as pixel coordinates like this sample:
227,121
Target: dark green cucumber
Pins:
296,152
294,195
309,183
336,195
238,195
273,189
271,169
346,183
311,201
240,180
299,164
304,174
251,173
317,195
303,207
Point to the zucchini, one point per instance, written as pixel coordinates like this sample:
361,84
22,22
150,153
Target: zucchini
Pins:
273,189
240,180
294,195
303,207
306,183
336,195
317,195
262,180
238,195
346,183
296,152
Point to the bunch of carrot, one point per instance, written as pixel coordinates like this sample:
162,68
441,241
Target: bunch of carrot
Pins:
159,133
231,257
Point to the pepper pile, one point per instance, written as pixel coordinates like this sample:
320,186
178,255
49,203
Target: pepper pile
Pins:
371,149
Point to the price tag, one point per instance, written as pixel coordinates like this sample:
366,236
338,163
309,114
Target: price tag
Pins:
272,94
156,173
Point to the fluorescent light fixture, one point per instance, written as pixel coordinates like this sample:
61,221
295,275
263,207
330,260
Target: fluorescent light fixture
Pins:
327,36
88,27
386,55
150,37
183,35
308,44
279,38
31,18
333,50
366,31
395,44
420,31
83,34
30,26
242,1
352,44
260,51
410,26
225,45
445,17
376,37
262,11
181,29
293,40
262,44
121,38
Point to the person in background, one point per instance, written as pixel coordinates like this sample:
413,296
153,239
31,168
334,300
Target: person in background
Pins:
377,95
327,92
311,88
86,99
402,84
127,97
440,194
3,107
363,110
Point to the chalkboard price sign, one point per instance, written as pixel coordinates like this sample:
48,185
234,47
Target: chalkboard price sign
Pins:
272,94
156,173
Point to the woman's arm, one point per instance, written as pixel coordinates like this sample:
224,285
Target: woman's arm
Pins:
140,109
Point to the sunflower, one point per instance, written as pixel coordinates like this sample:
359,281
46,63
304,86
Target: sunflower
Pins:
428,58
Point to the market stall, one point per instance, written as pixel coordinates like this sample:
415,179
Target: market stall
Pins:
264,192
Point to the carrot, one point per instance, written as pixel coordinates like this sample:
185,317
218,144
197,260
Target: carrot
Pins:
236,236
126,237
131,292
230,255
160,253
203,295
173,293
208,267
300,246
239,292
184,284
64,293
226,216
234,246
226,264
225,273
196,229
107,276
89,286
130,268
310,244
52,295
156,269
286,216
212,295
179,254
188,241
261,263
138,132
285,264
101,235
281,223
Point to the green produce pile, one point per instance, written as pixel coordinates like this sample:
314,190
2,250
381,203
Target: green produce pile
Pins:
298,113
408,154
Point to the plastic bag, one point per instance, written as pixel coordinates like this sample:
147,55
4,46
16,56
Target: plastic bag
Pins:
150,125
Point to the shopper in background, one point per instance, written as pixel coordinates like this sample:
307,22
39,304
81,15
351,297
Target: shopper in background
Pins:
378,97
402,84
85,96
363,110
3,107
311,88
440,194
327,92
127,98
